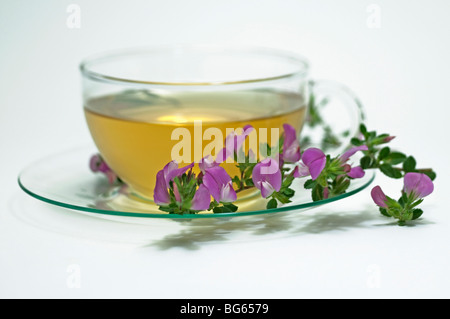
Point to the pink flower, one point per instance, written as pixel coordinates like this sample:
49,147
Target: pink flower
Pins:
163,178
233,143
379,197
346,156
291,146
356,172
97,164
206,163
219,185
266,177
313,162
417,185
171,171
353,172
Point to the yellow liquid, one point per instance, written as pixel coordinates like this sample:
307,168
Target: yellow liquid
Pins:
133,130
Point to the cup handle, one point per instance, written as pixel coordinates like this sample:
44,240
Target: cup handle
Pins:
333,117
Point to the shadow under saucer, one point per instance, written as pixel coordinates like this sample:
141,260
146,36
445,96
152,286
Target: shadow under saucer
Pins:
190,234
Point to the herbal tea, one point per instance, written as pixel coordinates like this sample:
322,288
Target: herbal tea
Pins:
134,130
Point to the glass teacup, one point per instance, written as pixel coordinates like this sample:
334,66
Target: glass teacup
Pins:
147,107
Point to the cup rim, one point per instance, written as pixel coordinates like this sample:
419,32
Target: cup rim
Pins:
289,56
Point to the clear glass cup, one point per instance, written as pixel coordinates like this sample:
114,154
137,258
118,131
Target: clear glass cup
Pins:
135,99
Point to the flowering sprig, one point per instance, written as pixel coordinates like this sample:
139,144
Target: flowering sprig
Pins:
416,187
178,190
379,156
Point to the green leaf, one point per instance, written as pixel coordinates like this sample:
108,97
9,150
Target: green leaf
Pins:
356,141
416,213
395,158
322,180
384,212
363,129
366,162
317,193
389,171
309,184
403,199
281,197
341,187
384,153
287,181
430,174
230,207
225,208
165,209
416,203
272,203
288,192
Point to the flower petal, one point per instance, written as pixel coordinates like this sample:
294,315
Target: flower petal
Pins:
176,173
290,135
212,186
291,146
239,139
291,154
103,167
220,175
275,180
312,154
207,162
356,172
216,179
316,167
171,166
94,162
160,193
202,199
344,157
266,189
256,175
227,193
222,155
417,184
233,143
379,197
266,176
301,170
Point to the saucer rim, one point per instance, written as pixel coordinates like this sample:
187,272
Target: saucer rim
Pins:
285,208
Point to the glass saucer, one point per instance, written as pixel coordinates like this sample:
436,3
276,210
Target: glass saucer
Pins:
65,180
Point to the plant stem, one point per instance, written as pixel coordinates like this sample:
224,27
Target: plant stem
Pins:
242,188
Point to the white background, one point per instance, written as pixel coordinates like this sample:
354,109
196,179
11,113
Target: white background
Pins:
342,250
